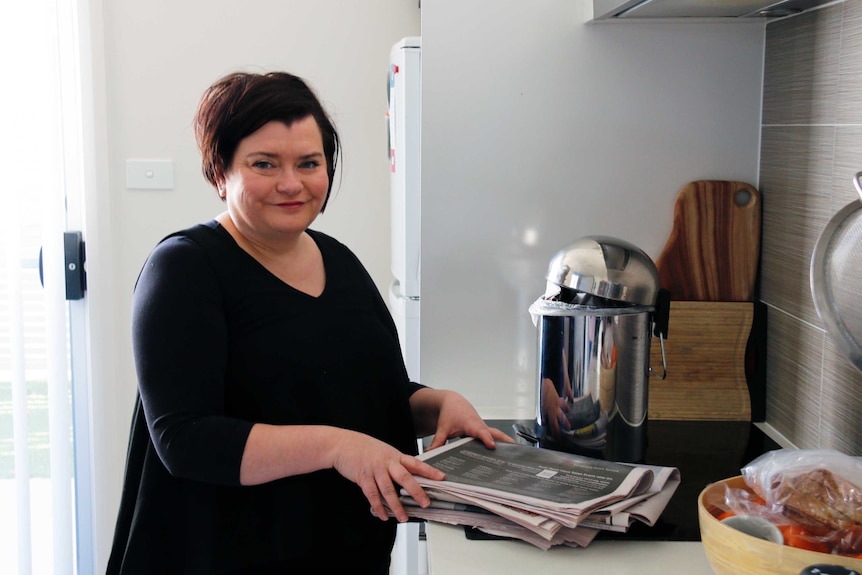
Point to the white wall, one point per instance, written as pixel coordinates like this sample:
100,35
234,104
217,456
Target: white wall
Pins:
539,129
158,58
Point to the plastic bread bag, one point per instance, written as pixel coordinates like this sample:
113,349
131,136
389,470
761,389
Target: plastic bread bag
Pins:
817,493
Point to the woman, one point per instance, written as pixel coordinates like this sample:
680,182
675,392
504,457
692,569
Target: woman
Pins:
274,410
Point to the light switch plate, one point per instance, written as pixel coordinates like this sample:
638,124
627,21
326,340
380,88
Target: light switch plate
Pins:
150,174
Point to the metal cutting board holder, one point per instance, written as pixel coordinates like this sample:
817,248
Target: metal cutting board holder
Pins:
836,278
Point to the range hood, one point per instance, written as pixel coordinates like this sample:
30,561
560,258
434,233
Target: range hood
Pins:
724,9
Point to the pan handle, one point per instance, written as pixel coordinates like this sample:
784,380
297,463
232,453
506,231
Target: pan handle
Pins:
857,181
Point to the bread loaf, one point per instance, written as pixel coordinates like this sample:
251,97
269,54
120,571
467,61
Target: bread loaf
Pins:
824,504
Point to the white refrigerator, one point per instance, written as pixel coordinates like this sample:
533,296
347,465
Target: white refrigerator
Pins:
404,118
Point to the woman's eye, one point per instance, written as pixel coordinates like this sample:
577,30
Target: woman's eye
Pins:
308,164
262,164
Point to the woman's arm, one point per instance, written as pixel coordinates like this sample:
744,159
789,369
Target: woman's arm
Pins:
448,414
179,339
276,451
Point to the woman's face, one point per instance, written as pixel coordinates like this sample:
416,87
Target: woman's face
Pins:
277,181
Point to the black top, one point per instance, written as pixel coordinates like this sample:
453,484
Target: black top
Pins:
220,344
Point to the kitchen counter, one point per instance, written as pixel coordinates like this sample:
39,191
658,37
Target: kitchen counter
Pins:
451,553
704,452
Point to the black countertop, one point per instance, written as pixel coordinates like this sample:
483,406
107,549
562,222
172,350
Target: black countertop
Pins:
703,451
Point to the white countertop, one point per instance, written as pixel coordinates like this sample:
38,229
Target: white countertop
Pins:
451,553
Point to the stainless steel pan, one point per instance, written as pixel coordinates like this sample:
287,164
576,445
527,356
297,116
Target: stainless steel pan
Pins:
836,278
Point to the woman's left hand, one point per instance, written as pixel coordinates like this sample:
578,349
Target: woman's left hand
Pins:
456,417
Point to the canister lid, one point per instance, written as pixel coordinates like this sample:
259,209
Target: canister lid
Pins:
606,267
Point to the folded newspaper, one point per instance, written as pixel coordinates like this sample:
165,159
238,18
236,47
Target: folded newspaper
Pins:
541,496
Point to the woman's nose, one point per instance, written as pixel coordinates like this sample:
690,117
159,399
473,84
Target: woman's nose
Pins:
289,182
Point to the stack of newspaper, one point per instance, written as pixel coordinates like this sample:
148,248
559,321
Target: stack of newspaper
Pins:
541,496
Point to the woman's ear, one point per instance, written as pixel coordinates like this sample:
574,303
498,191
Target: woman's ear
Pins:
220,186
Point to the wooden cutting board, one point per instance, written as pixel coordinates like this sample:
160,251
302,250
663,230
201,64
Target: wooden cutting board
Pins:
705,352
713,250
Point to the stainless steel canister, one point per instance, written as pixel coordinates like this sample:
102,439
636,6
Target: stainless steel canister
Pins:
595,323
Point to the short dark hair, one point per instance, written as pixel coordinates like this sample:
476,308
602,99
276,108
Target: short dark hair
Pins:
240,103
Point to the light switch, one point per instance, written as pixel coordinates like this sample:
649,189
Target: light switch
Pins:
150,174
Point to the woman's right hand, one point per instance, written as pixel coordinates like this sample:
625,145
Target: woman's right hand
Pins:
379,469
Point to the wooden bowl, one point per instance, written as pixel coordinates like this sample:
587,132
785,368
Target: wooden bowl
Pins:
731,552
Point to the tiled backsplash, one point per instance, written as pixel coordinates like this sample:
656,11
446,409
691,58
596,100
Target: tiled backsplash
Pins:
811,147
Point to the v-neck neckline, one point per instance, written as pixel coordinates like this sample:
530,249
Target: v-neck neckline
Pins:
311,234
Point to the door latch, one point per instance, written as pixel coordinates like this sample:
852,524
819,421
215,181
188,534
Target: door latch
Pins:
75,258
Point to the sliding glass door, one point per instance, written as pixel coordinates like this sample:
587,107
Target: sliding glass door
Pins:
46,524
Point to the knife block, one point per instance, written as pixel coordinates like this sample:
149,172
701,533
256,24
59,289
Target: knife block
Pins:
708,367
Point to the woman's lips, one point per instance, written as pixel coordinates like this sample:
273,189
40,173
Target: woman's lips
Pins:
290,205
